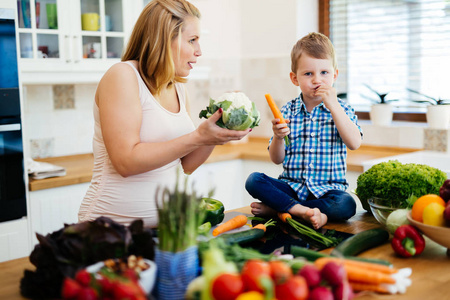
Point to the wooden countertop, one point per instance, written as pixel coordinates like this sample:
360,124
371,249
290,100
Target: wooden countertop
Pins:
79,167
430,276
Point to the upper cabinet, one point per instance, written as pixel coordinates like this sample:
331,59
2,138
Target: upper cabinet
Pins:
72,41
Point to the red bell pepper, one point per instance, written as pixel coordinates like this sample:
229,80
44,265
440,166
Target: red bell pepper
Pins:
407,241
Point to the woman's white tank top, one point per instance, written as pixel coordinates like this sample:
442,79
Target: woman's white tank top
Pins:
126,199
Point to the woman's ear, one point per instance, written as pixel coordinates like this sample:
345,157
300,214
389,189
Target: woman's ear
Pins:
294,78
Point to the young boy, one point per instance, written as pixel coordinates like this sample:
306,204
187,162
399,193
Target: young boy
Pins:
321,127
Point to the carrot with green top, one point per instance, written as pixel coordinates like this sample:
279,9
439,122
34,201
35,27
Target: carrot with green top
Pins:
284,216
231,224
305,230
277,114
264,226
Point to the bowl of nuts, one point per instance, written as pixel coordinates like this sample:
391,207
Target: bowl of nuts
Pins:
144,269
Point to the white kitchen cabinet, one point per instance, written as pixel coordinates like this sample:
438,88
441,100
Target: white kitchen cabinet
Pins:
14,239
224,178
51,208
65,51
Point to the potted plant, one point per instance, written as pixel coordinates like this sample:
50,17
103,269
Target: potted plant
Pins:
438,110
381,111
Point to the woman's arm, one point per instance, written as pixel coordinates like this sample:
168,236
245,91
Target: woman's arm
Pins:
121,117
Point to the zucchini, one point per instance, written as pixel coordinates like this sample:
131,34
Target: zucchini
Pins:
241,237
312,255
360,242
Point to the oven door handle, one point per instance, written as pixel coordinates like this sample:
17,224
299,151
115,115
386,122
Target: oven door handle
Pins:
10,127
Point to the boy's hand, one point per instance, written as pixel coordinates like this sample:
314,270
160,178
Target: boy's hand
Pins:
280,130
328,94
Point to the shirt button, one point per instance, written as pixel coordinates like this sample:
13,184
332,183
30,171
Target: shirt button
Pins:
313,134
311,165
311,150
314,119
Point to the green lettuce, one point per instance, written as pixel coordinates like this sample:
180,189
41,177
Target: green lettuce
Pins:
398,185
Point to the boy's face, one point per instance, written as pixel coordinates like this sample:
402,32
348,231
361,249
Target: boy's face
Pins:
312,73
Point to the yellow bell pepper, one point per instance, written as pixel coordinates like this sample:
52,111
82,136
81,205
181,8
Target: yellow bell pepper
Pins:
252,295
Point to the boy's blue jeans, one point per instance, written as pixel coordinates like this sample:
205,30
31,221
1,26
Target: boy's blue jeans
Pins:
278,194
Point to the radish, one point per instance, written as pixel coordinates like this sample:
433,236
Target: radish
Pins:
334,273
311,275
343,292
320,293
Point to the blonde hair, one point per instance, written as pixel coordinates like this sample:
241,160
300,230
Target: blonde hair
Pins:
316,45
160,22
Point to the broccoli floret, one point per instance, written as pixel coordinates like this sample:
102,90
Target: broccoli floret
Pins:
398,185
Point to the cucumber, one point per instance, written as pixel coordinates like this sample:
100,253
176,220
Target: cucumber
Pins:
312,255
241,237
360,242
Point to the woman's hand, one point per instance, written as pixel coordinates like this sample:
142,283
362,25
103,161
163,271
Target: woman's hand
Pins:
211,134
280,130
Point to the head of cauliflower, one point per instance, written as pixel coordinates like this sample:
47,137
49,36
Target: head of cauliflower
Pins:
239,112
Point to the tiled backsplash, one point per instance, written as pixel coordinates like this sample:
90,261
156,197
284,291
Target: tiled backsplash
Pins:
58,120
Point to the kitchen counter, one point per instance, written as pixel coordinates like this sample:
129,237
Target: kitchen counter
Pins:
430,276
79,167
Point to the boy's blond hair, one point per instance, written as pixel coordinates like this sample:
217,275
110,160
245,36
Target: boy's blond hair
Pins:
316,45
160,22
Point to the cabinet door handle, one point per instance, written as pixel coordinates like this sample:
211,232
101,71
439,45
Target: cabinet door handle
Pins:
10,127
68,49
76,49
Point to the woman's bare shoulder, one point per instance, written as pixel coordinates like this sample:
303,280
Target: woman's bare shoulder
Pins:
119,73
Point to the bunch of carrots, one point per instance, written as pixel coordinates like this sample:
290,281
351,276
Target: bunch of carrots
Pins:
365,276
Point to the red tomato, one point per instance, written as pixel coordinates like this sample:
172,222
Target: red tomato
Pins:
280,271
227,286
252,271
293,289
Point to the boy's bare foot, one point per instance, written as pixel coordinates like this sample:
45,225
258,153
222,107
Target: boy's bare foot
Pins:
260,209
310,215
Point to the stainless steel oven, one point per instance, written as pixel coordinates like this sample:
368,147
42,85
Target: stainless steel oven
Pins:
12,176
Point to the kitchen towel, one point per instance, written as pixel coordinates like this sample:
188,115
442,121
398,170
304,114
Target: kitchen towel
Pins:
41,170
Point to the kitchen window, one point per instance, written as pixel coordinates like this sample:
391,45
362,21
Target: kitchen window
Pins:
391,46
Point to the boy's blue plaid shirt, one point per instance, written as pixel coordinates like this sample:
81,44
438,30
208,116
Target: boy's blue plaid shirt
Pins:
315,160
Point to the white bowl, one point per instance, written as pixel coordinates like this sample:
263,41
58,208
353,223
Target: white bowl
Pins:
440,235
147,278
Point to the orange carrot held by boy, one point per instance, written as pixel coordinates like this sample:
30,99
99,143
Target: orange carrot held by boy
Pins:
277,114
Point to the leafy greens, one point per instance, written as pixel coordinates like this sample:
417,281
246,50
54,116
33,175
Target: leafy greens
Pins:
398,185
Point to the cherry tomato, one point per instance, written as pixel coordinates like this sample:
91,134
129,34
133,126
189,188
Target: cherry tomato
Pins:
280,271
227,286
293,289
252,271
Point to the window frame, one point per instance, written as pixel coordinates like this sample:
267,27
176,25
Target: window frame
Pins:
324,27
